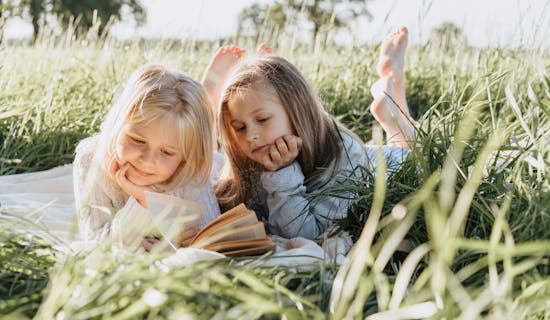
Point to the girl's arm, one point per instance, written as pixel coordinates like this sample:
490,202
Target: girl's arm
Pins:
93,203
292,212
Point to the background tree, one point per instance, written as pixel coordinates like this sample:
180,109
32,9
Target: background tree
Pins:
87,11
448,36
257,18
37,10
104,10
332,14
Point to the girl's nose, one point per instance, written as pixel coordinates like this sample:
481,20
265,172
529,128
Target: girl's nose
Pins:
252,134
148,156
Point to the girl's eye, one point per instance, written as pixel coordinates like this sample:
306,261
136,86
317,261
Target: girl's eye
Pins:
136,140
167,153
263,119
239,129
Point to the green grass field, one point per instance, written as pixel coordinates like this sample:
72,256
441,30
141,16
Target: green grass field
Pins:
476,192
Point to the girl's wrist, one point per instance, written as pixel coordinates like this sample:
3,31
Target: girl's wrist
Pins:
284,178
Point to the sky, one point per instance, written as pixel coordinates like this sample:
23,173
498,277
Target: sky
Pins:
503,23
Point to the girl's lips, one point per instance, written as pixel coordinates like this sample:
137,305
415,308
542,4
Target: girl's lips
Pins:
139,172
258,149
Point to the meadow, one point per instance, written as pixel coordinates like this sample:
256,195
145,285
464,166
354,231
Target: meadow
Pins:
460,230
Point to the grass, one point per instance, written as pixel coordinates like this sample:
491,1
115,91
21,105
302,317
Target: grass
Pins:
461,230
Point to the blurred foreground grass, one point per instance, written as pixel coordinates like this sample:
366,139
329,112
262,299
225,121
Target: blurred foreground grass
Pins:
461,230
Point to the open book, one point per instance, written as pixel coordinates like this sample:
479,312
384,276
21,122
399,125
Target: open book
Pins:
236,232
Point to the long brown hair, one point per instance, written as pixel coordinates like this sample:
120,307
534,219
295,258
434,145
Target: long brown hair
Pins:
317,129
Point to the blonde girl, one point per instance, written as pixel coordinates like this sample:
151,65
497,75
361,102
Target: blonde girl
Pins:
157,137
284,150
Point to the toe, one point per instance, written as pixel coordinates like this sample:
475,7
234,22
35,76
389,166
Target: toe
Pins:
241,52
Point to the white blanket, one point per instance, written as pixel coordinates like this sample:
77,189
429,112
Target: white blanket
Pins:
47,198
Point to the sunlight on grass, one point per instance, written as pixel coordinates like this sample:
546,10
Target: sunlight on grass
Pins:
460,230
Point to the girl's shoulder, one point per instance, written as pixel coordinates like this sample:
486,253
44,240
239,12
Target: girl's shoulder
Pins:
353,150
86,147
218,166
84,157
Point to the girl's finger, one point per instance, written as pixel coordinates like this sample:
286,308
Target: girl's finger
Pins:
148,243
121,173
292,143
114,166
274,154
268,163
282,146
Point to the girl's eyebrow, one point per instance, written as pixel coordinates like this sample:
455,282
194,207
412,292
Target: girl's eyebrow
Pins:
257,110
234,121
132,132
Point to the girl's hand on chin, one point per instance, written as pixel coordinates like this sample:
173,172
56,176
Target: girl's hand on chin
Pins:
129,187
282,152
114,166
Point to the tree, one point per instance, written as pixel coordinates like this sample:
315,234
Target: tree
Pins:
256,17
448,36
335,14
90,10
36,11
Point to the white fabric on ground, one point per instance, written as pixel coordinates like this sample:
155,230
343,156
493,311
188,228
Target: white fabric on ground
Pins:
50,194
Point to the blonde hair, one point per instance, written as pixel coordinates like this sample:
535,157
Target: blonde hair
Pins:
310,121
154,92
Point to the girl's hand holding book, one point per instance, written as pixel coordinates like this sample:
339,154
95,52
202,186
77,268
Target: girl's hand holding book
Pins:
149,242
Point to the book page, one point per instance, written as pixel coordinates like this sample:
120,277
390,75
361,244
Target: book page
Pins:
239,244
231,232
174,216
254,251
234,218
229,215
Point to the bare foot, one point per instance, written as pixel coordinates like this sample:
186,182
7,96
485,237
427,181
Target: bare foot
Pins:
392,61
219,70
392,53
393,119
264,49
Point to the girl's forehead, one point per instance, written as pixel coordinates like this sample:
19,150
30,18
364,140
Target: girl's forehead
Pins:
146,120
262,91
163,126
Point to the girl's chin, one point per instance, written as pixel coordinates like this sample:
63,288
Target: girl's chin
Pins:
139,181
257,157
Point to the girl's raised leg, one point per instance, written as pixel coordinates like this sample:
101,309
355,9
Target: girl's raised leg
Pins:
390,107
218,71
392,61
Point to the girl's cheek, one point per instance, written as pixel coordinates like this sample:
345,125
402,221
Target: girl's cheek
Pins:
120,151
125,152
120,147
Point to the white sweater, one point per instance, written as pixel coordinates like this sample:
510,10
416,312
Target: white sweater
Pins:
99,199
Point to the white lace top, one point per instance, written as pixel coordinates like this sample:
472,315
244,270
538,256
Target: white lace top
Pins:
100,201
